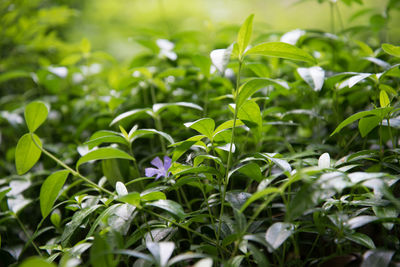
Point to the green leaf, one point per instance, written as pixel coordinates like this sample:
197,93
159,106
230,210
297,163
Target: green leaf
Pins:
380,112
36,262
251,170
250,114
131,113
391,49
14,74
35,114
259,194
226,125
249,88
75,222
100,253
27,153
244,35
384,99
282,50
103,153
50,191
204,126
359,221
367,124
278,233
132,199
361,239
168,205
143,132
152,196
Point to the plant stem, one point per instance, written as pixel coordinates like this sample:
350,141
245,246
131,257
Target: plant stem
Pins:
27,234
228,166
73,172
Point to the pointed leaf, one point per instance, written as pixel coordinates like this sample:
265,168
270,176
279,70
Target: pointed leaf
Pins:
131,198
249,88
35,114
130,113
367,124
36,262
282,50
157,108
50,191
377,112
244,35
362,239
250,114
103,153
27,153
168,205
384,99
391,49
100,253
259,194
204,126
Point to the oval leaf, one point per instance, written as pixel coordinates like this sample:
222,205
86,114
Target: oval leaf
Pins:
35,114
244,35
103,153
282,50
27,153
50,190
384,99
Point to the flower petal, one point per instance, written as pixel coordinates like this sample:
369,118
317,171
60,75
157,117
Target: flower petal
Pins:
156,162
167,163
149,172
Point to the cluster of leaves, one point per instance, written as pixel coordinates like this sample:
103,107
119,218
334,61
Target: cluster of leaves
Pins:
261,162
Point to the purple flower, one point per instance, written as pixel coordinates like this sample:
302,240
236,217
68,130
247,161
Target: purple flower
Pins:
162,168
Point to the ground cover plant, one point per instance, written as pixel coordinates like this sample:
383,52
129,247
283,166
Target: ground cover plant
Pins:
266,149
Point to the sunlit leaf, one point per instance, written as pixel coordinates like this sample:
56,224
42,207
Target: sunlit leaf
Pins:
244,34
384,99
50,190
391,49
35,114
103,153
27,153
204,126
281,50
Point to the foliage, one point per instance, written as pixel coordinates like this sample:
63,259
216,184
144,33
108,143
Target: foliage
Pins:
262,161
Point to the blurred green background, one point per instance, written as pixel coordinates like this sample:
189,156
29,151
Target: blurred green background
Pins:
113,25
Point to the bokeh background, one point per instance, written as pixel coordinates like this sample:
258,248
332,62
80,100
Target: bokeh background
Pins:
113,25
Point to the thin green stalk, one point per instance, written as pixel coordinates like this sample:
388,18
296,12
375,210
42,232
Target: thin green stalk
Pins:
27,234
208,207
157,119
228,166
73,172
148,226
